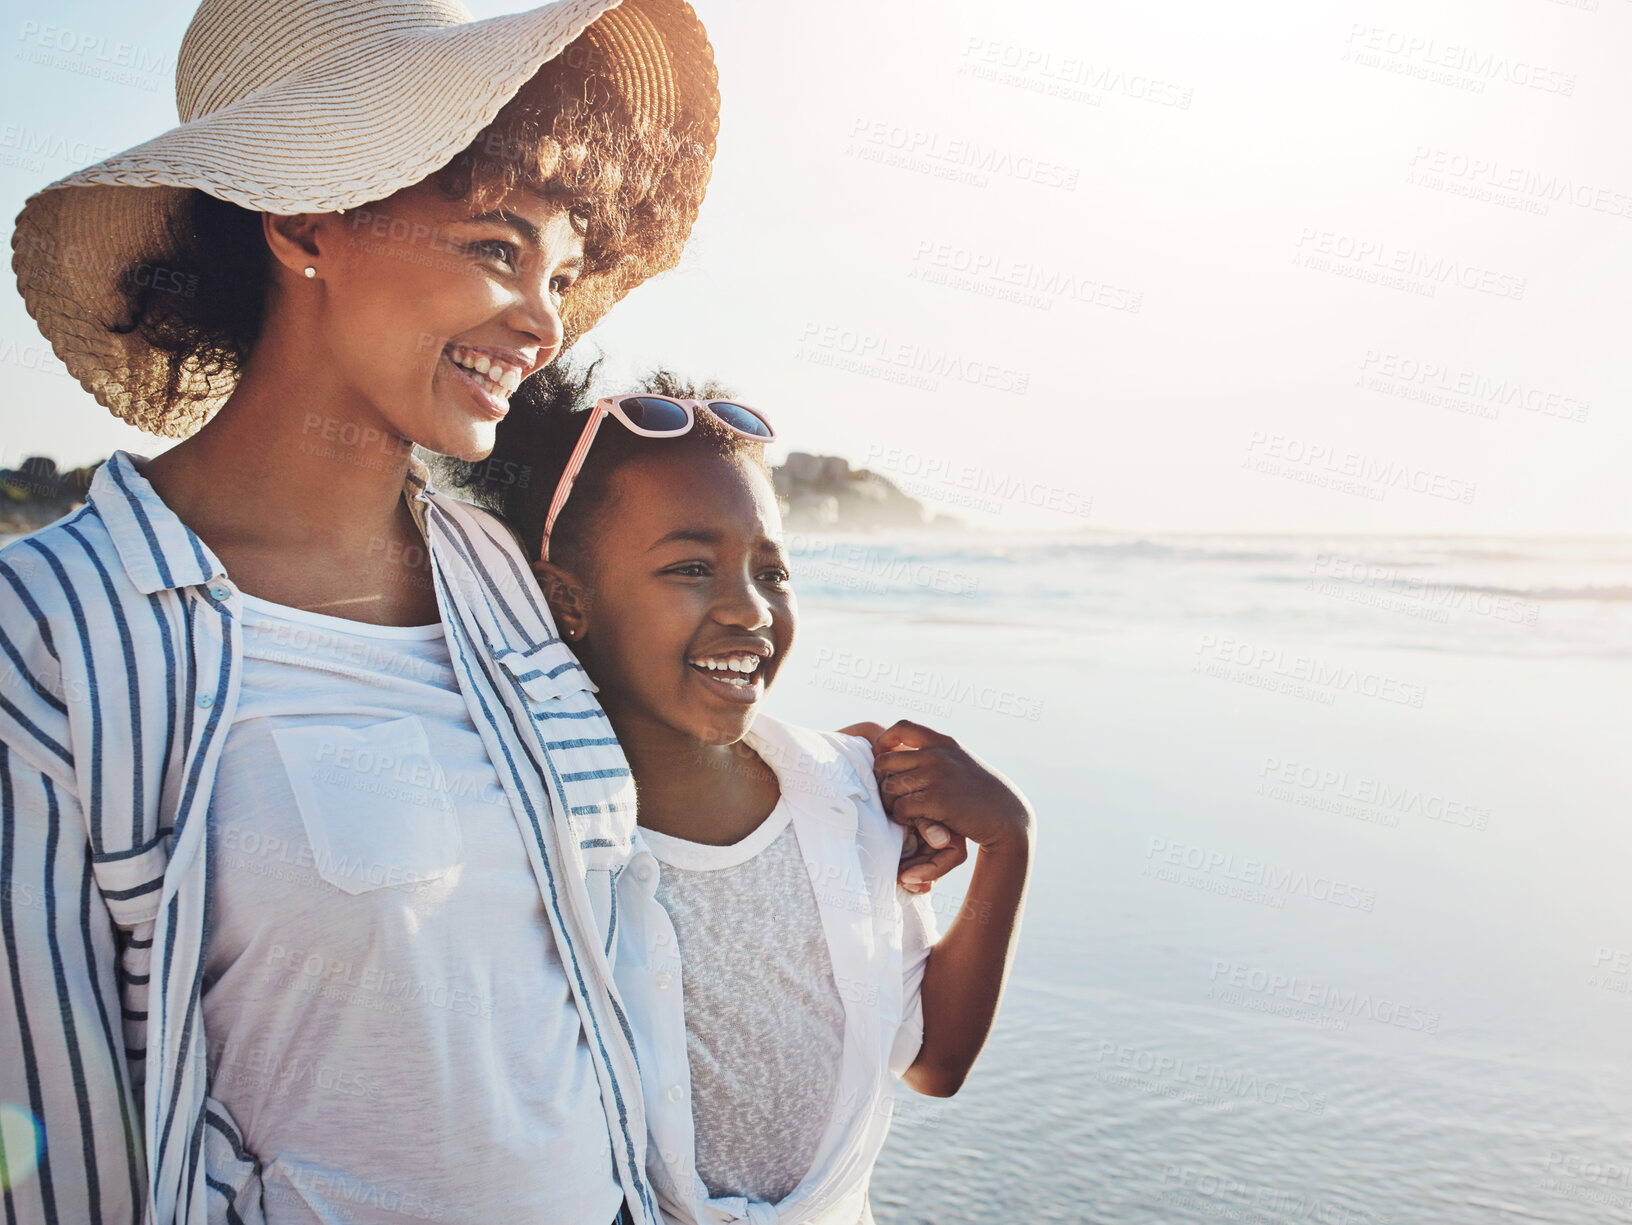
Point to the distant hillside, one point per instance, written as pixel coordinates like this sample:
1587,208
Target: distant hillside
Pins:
823,491
37,494
816,491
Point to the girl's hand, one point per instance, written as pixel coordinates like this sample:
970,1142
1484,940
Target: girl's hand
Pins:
930,850
929,780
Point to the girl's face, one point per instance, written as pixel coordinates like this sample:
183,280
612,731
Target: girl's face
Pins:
688,611
432,314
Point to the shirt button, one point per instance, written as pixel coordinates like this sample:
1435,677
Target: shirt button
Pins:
674,1093
206,700
663,979
643,873
220,591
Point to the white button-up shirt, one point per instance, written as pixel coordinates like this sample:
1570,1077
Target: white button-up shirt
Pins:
120,666
878,937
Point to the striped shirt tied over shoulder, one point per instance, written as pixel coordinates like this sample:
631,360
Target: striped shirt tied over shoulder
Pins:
120,665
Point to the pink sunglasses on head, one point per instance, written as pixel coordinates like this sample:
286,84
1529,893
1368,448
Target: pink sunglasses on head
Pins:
650,416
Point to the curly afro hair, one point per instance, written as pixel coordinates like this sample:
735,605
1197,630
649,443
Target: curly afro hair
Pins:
632,188
535,440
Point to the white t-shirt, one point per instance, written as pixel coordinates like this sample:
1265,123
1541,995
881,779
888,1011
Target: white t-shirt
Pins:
388,1020
876,940
764,1020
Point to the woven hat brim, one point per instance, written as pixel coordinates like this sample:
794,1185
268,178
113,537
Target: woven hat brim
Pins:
331,137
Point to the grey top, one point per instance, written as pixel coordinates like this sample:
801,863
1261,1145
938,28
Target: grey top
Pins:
764,1020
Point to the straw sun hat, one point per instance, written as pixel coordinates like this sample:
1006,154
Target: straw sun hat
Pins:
308,106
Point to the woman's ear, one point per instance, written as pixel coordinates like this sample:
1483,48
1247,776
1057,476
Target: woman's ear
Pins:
293,240
567,596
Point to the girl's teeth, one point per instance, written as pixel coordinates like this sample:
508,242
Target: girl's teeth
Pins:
482,364
745,666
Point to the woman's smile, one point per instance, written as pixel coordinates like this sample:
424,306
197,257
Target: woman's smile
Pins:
491,378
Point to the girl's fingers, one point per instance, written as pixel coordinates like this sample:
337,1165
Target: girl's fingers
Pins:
902,759
915,806
921,838
910,735
892,786
936,865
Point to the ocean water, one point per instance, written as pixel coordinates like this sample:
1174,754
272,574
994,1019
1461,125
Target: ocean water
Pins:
1330,920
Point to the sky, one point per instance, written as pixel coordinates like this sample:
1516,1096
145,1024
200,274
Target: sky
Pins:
1273,266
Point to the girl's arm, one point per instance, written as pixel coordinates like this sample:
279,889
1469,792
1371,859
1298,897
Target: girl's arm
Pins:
927,778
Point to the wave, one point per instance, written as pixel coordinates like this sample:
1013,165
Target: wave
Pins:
1402,551
1595,593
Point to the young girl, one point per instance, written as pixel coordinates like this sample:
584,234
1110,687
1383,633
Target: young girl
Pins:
774,975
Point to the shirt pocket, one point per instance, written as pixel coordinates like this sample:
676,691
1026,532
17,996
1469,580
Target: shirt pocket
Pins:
374,803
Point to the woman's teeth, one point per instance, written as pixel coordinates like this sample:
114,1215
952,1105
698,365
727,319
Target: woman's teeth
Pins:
504,378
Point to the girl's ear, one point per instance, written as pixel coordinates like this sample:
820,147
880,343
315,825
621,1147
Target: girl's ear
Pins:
567,596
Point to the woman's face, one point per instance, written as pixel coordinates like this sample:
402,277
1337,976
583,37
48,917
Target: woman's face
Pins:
688,571
431,314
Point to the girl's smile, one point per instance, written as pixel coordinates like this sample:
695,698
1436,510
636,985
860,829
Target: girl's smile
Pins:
736,673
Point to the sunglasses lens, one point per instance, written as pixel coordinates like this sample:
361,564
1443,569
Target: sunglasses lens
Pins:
740,418
651,413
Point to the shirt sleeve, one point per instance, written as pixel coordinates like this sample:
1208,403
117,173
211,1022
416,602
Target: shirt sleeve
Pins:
70,1128
918,935
73,988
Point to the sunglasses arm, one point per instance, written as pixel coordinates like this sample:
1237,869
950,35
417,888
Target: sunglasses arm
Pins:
575,464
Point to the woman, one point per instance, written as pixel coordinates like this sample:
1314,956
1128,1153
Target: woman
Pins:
310,815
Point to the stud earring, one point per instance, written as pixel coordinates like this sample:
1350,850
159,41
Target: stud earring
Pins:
310,272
